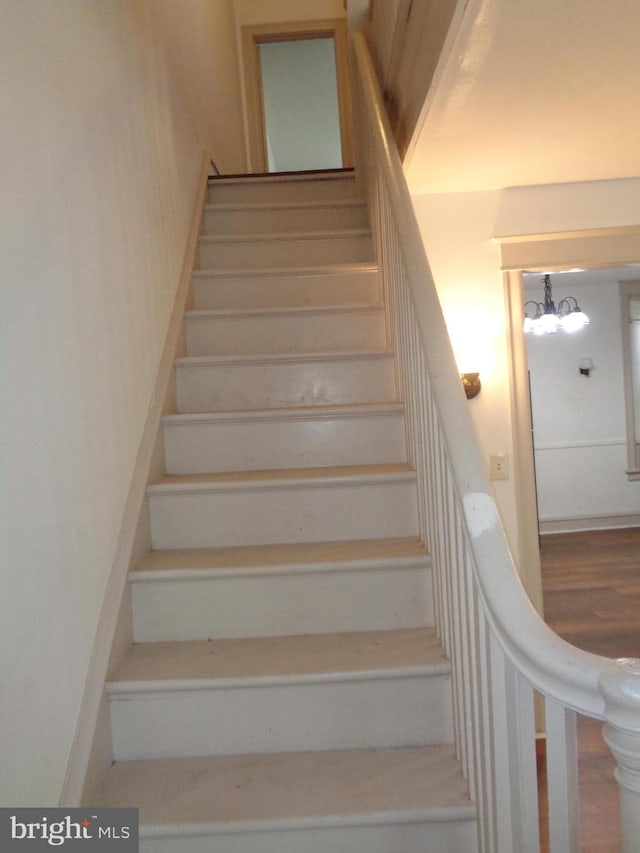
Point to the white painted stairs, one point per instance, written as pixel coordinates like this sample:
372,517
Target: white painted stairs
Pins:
286,691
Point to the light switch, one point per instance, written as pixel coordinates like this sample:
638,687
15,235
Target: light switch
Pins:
498,466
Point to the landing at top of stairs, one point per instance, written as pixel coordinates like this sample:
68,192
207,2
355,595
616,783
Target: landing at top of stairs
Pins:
299,186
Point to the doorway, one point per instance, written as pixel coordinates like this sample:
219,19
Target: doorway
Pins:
579,408
298,99
613,247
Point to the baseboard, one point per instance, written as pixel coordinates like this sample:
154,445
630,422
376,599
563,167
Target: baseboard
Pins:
89,751
606,521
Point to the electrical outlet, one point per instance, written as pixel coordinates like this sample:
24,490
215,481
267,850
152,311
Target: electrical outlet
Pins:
498,466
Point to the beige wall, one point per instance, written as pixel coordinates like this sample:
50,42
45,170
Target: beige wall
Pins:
107,107
269,11
226,83
457,231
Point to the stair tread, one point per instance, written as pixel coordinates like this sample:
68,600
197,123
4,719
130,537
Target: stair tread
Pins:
318,656
343,268
288,175
285,236
281,556
282,357
288,311
284,475
222,206
287,413
333,786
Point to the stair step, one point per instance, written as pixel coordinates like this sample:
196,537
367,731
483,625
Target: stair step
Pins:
280,506
310,436
279,217
255,251
275,694
322,186
286,690
278,288
223,383
282,330
279,590
361,801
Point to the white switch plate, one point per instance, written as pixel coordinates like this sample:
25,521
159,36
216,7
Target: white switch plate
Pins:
498,466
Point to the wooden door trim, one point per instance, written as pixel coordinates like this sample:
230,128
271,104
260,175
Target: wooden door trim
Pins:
255,35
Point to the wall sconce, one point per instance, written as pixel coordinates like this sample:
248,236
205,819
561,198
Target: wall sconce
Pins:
586,366
471,384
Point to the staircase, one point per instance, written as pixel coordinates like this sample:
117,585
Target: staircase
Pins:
286,690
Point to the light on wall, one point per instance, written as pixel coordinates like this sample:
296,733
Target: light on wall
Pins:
547,319
586,366
471,384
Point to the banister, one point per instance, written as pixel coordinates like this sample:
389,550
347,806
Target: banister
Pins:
552,665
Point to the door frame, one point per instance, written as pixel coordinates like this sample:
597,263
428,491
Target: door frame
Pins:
588,248
255,35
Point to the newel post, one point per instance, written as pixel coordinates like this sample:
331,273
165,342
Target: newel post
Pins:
621,690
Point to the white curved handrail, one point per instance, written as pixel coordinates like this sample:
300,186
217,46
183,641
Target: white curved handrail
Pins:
553,666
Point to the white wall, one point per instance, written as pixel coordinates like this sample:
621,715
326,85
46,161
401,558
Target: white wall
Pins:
579,421
459,230
107,107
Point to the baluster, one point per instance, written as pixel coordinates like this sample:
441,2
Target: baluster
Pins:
459,627
432,508
421,463
467,661
483,792
621,689
562,778
515,757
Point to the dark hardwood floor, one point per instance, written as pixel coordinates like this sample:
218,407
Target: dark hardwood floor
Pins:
591,585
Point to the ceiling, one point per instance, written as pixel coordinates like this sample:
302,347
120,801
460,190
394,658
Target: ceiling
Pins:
533,92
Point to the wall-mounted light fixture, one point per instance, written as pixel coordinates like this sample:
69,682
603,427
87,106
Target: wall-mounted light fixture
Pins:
471,384
586,366
547,319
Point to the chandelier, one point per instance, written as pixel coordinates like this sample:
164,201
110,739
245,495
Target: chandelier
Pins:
547,319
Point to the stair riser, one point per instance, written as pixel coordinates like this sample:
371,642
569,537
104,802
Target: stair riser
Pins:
316,332
282,605
258,192
197,448
455,836
282,254
399,711
282,220
280,515
283,291
276,384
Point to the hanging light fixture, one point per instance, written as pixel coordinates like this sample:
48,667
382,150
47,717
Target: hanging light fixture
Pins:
547,319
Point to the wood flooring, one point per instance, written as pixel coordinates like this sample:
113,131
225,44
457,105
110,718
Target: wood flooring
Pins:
591,586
